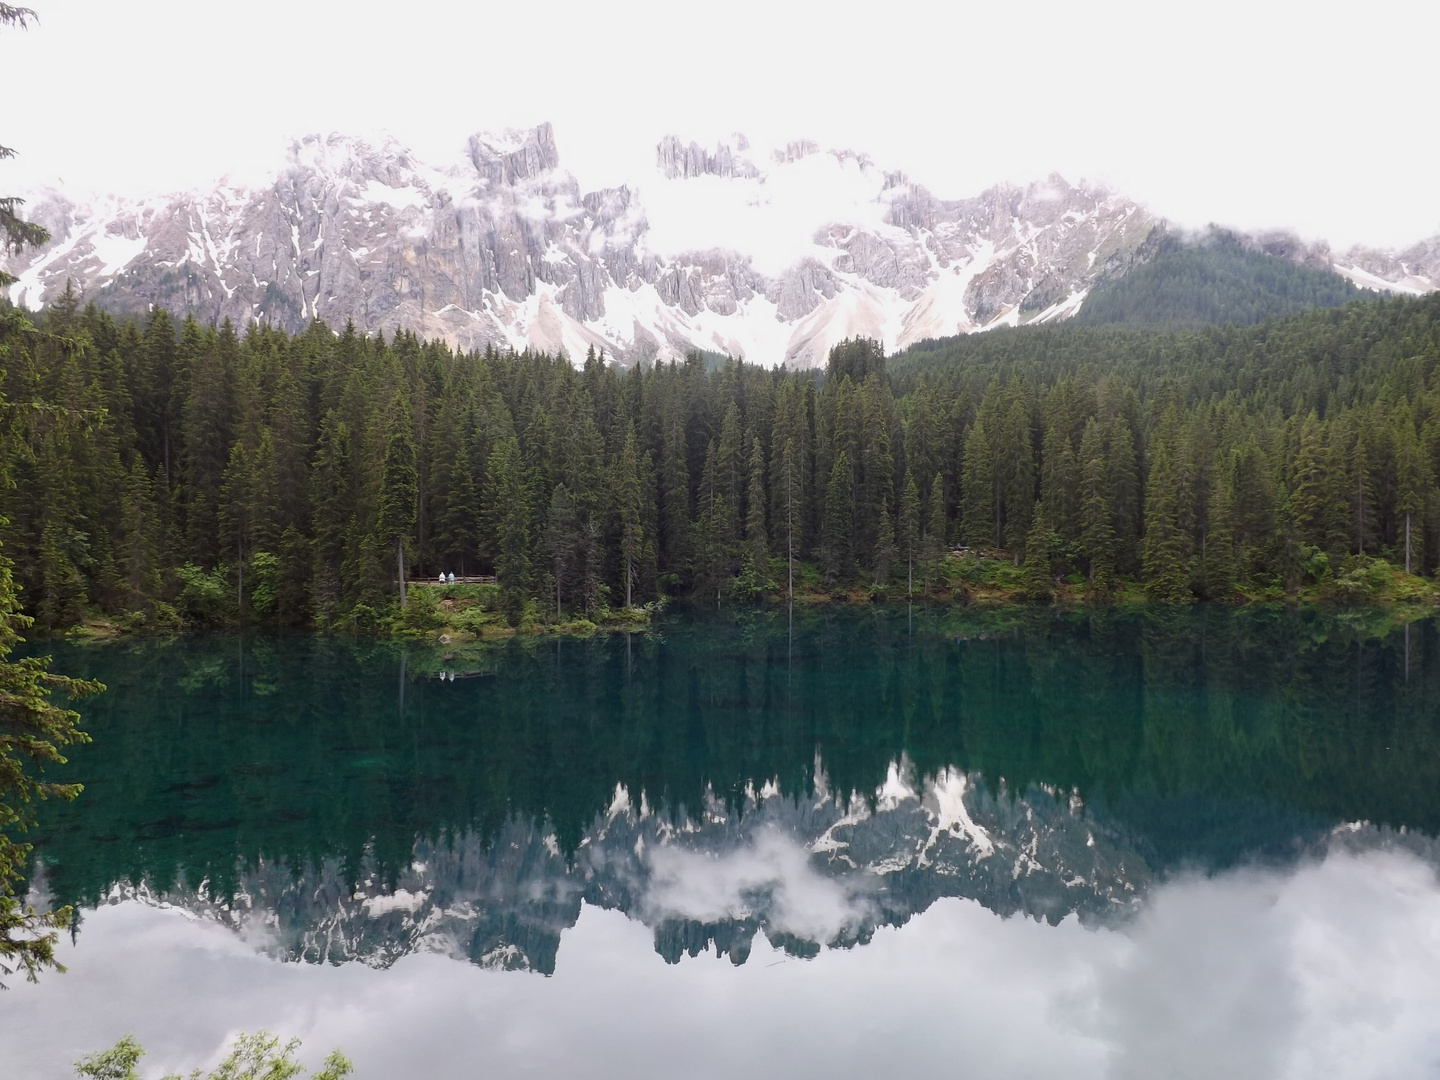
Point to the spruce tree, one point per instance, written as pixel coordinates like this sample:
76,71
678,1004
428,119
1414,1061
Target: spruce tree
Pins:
935,531
755,535
1097,531
979,513
1412,480
1218,552
628,502
910,529
1360,491
561,541
399,491
1163,556
1123,482
792,510
1016,464
839,518
1037,557
1309,500
506,475
884,550
16,233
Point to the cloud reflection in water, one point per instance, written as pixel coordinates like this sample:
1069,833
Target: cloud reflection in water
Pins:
1329,968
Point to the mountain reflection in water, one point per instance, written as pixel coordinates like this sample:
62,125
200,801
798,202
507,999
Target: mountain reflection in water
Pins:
766,790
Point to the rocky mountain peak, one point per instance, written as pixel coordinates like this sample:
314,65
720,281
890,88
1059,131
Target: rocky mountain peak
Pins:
679,161
515,154
511,252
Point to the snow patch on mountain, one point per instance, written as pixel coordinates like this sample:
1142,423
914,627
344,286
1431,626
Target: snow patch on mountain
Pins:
772,256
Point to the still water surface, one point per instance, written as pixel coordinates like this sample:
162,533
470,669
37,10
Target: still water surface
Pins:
1199,843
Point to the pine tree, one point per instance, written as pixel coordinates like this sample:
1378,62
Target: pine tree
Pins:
1163,553
979,513
839,518
628,502
910,529
675,518
1310,504
935,532
1059,477
209,416
1360,489
237,498
1016,464
16,233
1037,557
506,476
1412,481
1097,531
332,518
399,490
561,541
755,534
730,472
1123,482
140,536
1218,552
792,511
884,550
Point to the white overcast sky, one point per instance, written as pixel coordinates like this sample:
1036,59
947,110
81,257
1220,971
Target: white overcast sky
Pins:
1315,116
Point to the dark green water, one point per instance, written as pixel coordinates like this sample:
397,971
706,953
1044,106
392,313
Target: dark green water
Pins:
1206,736
1193,843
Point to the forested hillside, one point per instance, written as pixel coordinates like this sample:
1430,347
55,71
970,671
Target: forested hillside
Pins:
1217,279
162,472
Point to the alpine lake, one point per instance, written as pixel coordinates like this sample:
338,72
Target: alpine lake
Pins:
826,842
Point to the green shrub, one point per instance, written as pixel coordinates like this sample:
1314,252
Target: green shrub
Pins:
422,611
262,583
205,596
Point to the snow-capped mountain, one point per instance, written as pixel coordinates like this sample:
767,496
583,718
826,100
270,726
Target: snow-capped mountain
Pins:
807,873
773,257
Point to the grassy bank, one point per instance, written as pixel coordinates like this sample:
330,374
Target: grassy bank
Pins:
972,579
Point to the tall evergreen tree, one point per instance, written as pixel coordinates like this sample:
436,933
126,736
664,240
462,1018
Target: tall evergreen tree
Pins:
506,476
1097,530
399,491
979,515
910,529
839,519
1163,557
935,532
628,501
755,534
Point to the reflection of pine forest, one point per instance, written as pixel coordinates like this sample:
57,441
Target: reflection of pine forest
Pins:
166,474
1205,733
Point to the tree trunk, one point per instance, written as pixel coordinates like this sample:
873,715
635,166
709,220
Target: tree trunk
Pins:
629,577
400,563
789,530
1407,541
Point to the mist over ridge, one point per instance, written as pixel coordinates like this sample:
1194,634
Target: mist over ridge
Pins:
771,254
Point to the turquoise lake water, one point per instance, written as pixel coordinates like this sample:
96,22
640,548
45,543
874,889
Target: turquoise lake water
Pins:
1185,843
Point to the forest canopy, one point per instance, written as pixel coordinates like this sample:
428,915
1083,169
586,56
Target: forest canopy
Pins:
201,474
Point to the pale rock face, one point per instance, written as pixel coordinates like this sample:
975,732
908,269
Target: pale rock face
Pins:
503,248
1414,270
504,904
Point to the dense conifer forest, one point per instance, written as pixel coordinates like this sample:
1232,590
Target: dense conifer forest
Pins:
1216,279
167,474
